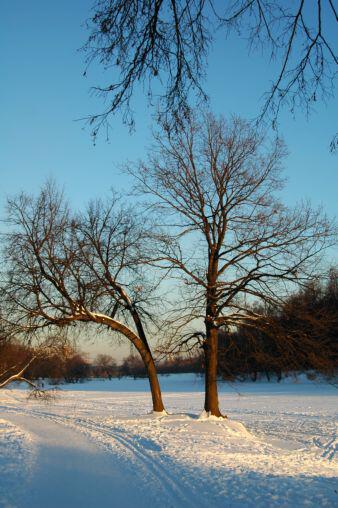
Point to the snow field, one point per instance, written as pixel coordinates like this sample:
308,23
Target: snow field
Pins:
277,447
16,462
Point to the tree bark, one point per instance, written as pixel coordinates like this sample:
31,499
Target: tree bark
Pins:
143,349
149,363
153,379
211,404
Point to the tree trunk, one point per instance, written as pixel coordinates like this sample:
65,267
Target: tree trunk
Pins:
211,404
153,379
149,363
144,350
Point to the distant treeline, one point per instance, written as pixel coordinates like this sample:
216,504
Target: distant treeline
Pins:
302,336
69,365
133,366
65,363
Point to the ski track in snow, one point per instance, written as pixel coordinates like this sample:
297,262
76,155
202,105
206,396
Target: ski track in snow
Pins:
170,491
17,455
284,456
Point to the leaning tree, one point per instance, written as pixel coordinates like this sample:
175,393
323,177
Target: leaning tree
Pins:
63,269
225,236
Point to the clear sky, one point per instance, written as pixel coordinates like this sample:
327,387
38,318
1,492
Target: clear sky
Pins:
43,93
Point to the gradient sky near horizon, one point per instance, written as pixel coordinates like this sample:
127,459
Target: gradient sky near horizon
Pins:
43,94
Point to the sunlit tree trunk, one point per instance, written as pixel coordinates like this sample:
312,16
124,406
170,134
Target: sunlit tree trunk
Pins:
149,363
211,404
153,379
144,351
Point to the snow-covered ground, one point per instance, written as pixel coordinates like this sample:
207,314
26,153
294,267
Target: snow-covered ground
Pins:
95,445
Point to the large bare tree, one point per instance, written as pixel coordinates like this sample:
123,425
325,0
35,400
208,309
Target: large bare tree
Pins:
164,44
232,241
63,269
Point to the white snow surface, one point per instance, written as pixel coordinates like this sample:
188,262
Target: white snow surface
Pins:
99,444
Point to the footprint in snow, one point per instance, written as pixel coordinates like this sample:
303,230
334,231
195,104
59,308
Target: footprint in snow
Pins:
148,444
330,449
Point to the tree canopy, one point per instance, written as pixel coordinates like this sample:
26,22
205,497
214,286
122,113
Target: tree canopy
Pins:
164,44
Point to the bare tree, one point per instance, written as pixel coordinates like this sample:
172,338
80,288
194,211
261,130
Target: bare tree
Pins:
63,269
19,357
111,241
164,44
12,369
232,241
16,373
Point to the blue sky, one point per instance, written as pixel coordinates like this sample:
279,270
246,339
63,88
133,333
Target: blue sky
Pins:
43,93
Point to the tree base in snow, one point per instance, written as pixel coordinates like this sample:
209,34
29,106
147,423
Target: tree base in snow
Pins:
206,415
